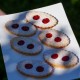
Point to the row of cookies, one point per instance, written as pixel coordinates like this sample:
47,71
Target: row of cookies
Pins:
33,19
50,37
40,69
28,46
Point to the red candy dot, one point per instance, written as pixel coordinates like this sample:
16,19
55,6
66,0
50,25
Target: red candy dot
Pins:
15,26
36,17
30,46
57,39
45,20
48,35
25,28
54,56
21,42
28,66
65,58
40,69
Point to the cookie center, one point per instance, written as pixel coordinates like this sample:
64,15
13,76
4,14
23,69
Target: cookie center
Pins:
45,20
40,69
65,58
25,28
57,39
28,66
48,35
30,46
54,56
15,26
21,42
36,17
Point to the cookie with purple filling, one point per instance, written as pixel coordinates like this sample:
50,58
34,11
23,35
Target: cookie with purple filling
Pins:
61,58
20,28
26,46
34,68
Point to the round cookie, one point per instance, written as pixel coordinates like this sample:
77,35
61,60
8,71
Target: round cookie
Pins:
41,20
20,28
61,58
26,46
34,68
54,38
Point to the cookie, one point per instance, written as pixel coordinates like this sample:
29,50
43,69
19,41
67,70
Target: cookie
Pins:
41,20
20,28
34,68
61,58
54,38
26,46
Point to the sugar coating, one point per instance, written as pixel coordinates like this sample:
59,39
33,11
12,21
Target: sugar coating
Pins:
23,48
51,41
47,69
19,31
73,59
29,17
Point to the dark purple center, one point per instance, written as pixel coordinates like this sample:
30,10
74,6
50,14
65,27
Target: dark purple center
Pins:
25,28
21,42
40,69
15,26
28,66
30,46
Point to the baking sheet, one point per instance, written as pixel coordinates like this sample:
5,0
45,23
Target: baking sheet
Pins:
11,57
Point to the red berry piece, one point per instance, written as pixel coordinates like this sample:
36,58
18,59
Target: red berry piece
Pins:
36,17
45,20
48,35
54,56
57,39
65,58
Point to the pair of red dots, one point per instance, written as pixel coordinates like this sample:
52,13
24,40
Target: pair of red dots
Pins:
37,17
57,39
24,28
55,56
38,68
22,42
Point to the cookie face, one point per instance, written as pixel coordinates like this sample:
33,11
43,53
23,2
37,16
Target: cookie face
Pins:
26,46
34,68
41,20
20,28
54,38
61,58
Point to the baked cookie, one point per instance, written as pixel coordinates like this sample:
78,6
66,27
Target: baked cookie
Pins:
41,19
54,38
26,46
34,68
61,58
20,28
